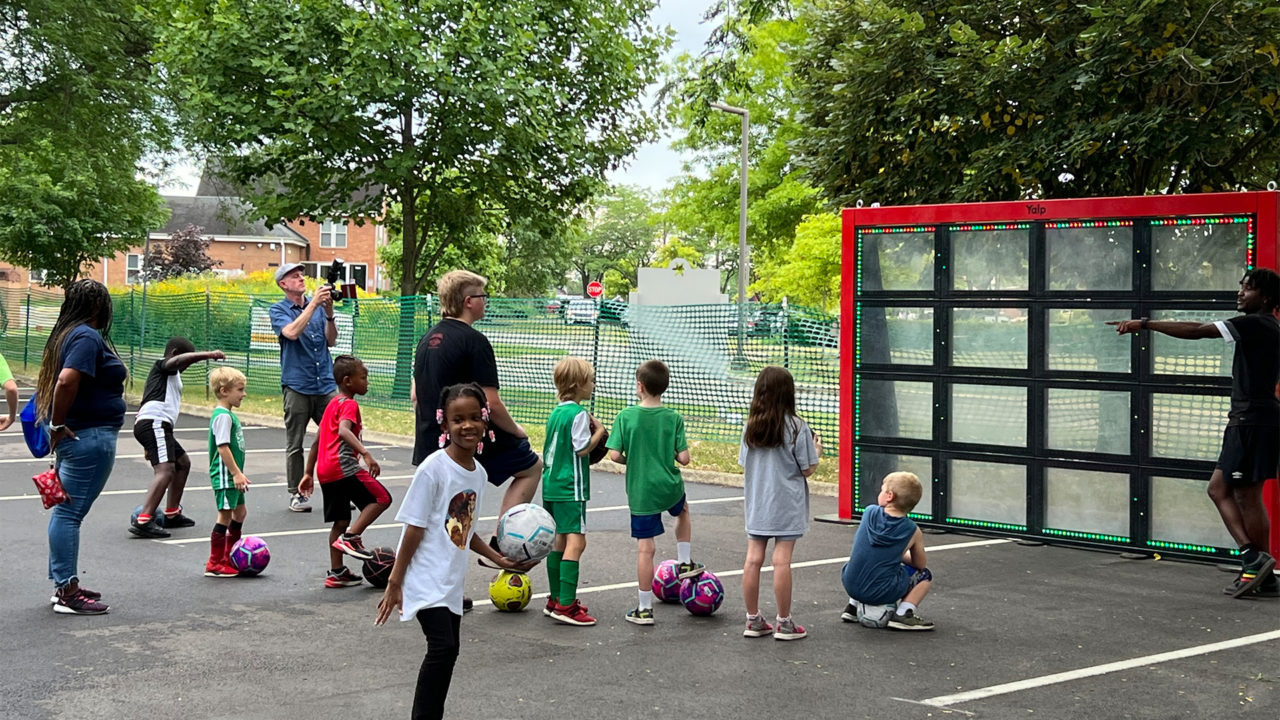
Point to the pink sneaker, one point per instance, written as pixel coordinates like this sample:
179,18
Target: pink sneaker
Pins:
789,630
757,627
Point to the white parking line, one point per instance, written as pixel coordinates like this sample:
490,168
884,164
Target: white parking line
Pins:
1068,676
384,526
768,568
15,461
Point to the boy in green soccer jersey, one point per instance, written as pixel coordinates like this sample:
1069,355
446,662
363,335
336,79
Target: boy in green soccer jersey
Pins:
571,436
226,469
647,438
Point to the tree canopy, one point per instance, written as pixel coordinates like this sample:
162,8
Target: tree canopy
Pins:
78,112
747,64
464,113
918,101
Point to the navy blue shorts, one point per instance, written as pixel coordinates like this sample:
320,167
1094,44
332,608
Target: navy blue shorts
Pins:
501,467
650,526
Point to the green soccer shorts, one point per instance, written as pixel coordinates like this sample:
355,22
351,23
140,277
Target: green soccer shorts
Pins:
570,515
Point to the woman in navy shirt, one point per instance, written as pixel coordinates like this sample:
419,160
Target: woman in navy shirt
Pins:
81,393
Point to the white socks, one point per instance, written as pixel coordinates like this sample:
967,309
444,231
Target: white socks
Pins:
684,552
904,608
646,599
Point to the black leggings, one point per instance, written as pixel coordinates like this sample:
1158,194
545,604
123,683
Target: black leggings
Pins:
441,627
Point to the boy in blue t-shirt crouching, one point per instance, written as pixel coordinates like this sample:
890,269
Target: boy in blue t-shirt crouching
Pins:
887,565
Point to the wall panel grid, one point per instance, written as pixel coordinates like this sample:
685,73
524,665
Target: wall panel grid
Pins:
983,363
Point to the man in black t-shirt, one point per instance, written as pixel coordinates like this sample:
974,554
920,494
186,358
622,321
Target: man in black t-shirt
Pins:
454,352
1251,443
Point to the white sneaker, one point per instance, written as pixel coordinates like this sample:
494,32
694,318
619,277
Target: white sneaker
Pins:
300,503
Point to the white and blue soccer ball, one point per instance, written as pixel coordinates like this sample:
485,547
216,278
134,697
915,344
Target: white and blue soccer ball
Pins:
874,616
526,532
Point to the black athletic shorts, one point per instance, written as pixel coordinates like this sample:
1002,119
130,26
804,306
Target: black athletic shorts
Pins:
1250,454
158,442
359,490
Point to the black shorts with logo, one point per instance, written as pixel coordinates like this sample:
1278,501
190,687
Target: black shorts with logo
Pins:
1250,454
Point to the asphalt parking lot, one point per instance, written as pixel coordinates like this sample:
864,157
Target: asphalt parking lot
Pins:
1040,632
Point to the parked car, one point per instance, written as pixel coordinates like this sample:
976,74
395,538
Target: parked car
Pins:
613,311
581,310
794,325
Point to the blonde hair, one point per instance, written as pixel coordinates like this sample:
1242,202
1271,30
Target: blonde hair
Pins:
453,287
224,377
571,375
906,489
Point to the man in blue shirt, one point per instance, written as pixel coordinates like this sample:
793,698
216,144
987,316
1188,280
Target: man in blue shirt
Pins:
306,330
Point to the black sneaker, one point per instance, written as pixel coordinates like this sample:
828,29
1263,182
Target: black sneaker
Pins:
1268,589
149,529
79,604
178,520
850,613
467,604
1253,575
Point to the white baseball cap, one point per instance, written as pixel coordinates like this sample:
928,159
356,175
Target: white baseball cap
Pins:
285,269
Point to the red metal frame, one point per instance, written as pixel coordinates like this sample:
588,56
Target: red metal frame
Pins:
1265,205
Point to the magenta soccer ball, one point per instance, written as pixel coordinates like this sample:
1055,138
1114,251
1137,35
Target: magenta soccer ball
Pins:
701,595
250,555
666,581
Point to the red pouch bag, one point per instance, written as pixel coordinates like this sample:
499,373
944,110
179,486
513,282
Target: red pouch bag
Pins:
50,487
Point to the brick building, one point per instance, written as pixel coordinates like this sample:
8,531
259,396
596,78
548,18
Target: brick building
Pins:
244,246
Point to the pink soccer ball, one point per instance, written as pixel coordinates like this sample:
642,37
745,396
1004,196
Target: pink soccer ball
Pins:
701,595
666,581
250,555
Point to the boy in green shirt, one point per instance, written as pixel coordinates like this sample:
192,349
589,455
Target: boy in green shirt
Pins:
226,469
646,438
566,473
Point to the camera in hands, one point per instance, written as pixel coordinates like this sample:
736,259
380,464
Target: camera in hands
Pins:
337,289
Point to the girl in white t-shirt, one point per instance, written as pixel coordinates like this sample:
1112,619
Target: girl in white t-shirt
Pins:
439,513
778,454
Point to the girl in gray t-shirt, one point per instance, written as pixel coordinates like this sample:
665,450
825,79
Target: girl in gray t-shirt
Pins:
778,453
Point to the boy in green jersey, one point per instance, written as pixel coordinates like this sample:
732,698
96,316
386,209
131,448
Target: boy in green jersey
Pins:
566,472
647,438
226,469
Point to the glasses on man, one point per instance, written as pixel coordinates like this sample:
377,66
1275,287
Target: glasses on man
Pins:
481,295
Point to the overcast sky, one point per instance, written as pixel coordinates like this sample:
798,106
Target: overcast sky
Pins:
652,166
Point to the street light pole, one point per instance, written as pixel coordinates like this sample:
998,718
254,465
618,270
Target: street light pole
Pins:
744,260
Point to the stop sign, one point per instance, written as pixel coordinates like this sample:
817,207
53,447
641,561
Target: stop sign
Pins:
595,289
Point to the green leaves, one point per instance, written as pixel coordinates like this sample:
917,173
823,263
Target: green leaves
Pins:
991,100
460,113
79,108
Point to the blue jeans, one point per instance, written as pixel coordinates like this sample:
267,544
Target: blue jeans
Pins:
84,464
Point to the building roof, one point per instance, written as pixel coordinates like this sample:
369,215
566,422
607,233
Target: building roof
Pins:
221,217
213,183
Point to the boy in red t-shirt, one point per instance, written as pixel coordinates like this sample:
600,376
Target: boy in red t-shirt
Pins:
334,460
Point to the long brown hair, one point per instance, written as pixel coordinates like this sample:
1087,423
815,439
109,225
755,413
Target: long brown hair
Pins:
772,405
86,301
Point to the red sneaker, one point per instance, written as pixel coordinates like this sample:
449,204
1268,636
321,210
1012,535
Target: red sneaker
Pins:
574,614
219,570
552,606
